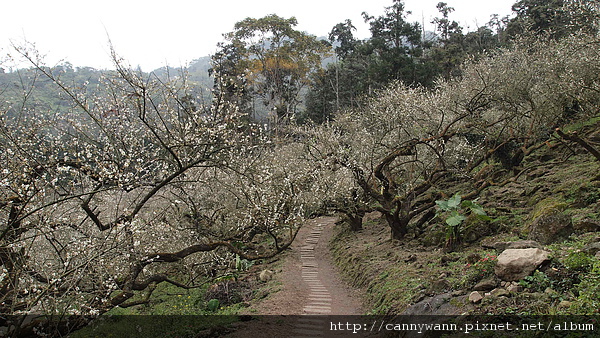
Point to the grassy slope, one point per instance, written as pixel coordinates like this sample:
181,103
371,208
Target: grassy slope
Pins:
395,275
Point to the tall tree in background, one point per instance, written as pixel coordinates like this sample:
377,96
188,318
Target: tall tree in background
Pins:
343,36
343,81
444,27
268,63
447,50
391,54
557,18
230,84
397,51
394,45
537,16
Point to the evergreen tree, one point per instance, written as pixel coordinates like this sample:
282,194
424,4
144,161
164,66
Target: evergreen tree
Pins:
557,18
448,49
394,46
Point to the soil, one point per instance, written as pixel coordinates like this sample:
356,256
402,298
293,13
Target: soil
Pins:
309,285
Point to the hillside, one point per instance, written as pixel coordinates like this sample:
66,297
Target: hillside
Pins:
557,186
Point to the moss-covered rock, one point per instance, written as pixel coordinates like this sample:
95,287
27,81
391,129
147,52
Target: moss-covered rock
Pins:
548,223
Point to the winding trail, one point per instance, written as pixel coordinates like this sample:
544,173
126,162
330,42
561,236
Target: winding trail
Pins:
310,287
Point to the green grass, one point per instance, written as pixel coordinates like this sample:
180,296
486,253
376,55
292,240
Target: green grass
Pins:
172,312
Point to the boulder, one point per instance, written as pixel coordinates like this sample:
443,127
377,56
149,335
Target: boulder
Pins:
515,288
499,292
551,228
548,223
515,264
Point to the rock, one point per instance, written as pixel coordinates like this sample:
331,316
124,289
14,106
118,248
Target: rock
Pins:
439,286
475,297
548,222
265,275
551,228
445,259
515,264
457,293
587,225
515,288
591,248
523,244
485,285
499,292
443,304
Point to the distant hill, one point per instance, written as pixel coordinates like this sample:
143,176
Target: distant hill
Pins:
197,72
14,83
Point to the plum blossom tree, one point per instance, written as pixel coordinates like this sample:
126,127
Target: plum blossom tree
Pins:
97,199
407,143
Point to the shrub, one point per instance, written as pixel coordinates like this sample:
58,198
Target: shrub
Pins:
578,261
480,269
588,301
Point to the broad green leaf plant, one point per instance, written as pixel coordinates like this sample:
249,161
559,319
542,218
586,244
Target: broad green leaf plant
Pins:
454,211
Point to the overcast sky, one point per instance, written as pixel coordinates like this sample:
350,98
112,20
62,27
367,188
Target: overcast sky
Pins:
152,34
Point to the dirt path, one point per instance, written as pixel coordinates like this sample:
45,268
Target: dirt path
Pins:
310,285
